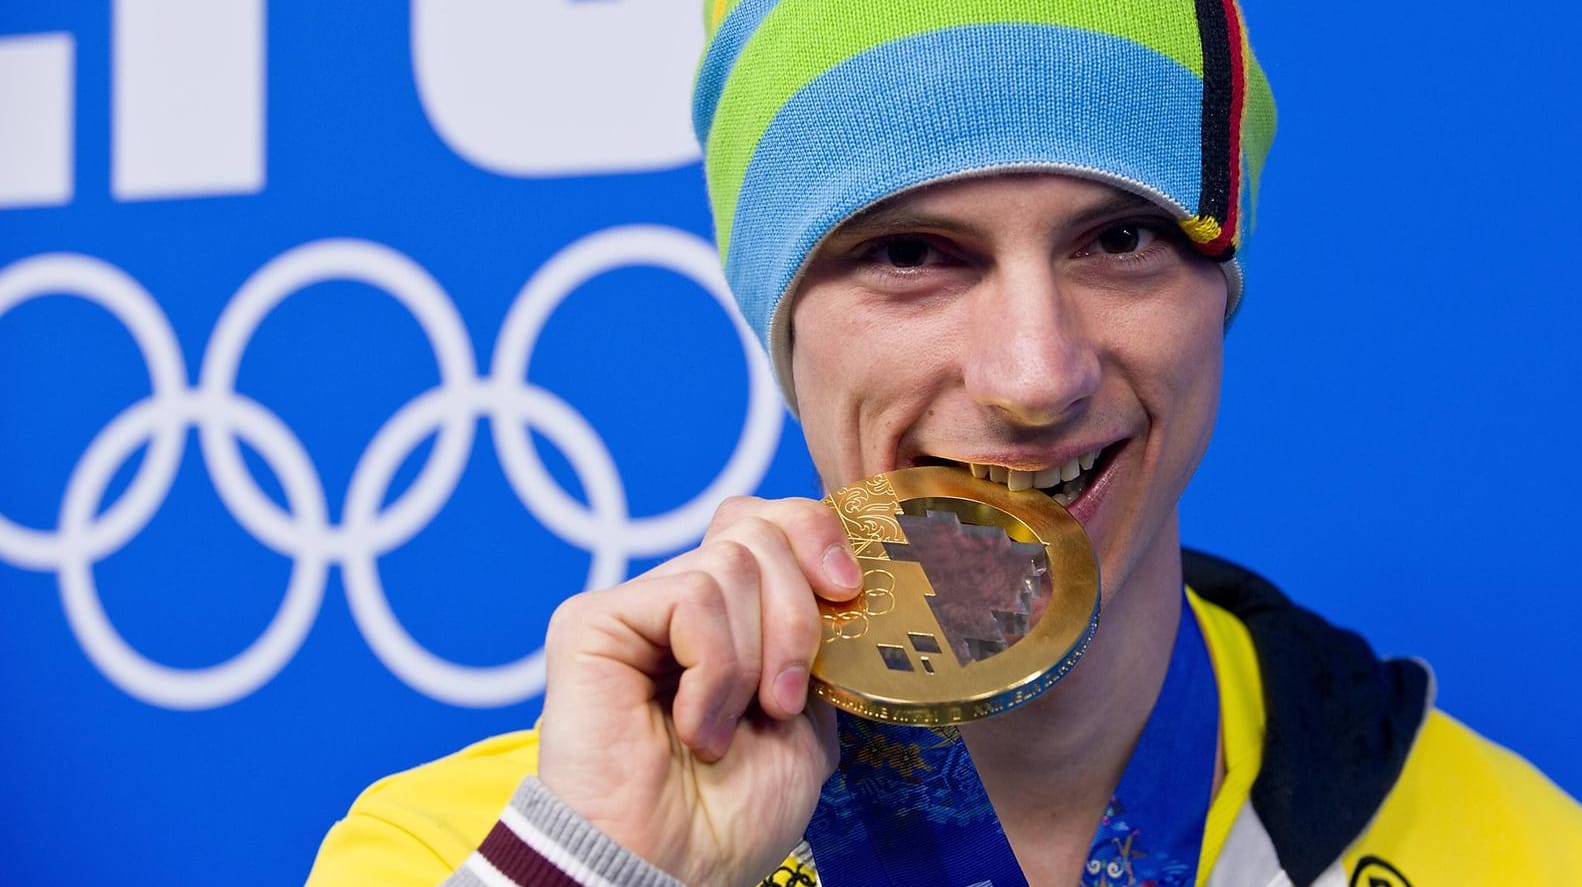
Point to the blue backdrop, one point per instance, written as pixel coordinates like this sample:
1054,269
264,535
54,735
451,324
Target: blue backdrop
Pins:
332,342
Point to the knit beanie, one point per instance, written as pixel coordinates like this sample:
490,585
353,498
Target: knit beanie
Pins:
810,111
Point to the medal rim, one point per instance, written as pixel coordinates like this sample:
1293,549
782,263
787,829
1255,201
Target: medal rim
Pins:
1009,679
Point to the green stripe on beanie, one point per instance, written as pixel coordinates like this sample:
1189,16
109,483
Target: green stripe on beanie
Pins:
800,39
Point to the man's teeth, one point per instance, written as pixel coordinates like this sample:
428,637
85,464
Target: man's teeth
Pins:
1064,483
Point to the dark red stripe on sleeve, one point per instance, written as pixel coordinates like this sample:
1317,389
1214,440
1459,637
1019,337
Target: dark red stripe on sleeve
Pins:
520,862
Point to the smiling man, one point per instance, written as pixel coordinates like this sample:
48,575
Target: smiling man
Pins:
1001,237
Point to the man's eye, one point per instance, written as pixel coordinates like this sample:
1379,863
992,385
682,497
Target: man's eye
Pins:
904,252
1121,239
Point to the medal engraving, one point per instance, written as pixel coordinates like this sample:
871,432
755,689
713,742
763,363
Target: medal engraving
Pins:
869,510
975,599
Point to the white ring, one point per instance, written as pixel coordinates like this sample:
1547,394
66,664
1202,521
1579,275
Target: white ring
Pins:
152,682
324,260
643,245
409,660
303,530
113,289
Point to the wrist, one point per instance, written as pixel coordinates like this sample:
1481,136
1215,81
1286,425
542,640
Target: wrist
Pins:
538,829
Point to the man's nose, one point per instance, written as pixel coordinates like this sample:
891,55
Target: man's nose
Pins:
1031,355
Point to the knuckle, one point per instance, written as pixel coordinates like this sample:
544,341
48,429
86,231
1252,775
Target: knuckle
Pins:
734,563
738,502
797,626
757,532
745,685
569,619
699,589
810,519
732,509
726,665
802,634
569,613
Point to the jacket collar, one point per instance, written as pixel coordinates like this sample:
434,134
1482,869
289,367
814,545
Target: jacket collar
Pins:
1340,721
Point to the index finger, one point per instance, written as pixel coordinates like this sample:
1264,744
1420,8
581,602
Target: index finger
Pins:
814,533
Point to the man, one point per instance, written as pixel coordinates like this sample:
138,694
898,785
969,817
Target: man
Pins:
1000,236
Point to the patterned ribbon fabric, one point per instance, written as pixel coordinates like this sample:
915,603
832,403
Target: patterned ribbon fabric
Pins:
906,806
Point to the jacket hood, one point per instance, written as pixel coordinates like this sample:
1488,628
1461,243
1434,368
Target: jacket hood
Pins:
1340,721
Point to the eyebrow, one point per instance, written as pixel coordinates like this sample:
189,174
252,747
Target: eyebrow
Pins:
883,219
1118,203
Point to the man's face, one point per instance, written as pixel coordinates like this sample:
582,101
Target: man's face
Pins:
1021,322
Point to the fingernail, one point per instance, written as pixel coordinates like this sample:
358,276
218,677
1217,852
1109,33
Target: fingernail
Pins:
841,567
790,688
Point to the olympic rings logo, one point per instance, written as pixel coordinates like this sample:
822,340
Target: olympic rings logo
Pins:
302,530
878,599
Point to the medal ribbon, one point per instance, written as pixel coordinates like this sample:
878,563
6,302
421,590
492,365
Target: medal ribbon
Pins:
906,807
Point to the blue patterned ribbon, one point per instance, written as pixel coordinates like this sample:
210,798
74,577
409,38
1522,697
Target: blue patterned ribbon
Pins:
906,807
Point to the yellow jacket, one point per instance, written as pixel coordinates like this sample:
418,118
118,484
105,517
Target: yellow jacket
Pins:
1339,773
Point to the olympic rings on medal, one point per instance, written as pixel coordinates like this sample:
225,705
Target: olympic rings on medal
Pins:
368,528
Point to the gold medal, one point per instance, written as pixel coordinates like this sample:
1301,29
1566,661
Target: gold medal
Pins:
975,599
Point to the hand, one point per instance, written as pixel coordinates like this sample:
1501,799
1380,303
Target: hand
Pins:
677,717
